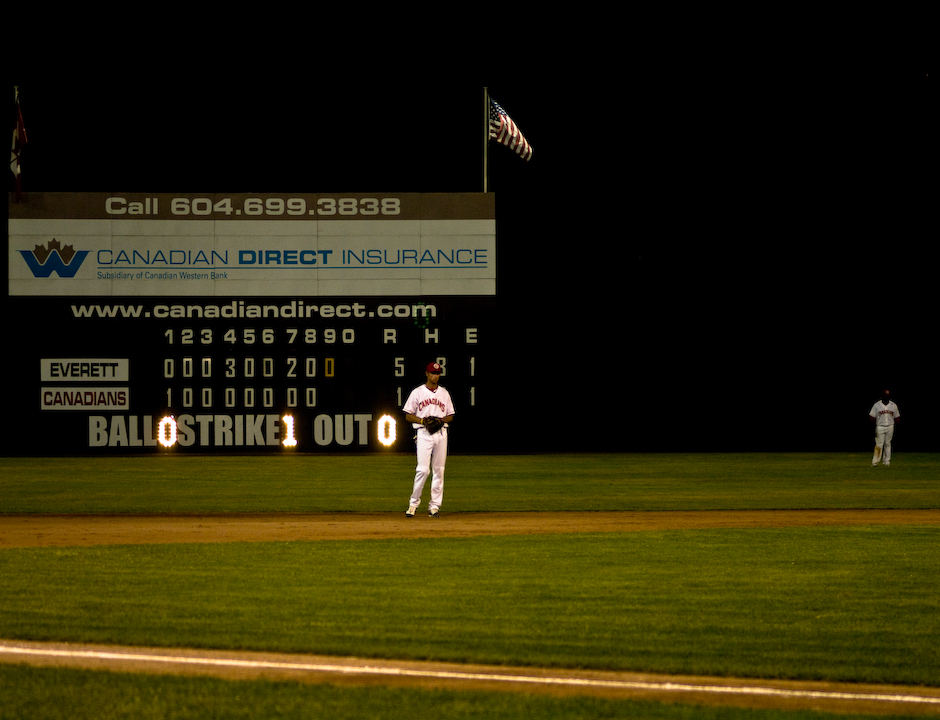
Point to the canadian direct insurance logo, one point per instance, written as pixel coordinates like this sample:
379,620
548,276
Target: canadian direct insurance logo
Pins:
63,261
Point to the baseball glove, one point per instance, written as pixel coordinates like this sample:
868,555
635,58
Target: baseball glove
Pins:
432,424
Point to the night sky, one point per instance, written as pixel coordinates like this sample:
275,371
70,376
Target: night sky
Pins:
760,254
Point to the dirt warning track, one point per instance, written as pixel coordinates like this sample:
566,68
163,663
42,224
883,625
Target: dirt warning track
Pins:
84,530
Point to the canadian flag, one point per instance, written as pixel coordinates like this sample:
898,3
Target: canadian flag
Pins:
19,142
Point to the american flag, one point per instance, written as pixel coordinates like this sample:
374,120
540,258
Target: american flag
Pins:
504,131
19,141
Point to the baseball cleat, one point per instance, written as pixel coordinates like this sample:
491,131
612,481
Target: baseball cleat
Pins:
433,513
410,512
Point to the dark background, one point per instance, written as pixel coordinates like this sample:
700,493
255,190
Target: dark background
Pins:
759,250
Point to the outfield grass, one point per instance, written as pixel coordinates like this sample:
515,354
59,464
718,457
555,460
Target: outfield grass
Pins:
855,603
382,482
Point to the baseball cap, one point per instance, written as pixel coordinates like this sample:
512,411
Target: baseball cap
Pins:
434,368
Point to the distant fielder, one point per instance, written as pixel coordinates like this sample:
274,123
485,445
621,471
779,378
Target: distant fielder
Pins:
429,409
884,414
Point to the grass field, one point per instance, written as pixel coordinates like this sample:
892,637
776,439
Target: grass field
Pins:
382,482
833,603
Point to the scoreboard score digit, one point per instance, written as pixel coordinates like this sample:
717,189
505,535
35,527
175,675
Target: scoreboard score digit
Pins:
324,367
233,385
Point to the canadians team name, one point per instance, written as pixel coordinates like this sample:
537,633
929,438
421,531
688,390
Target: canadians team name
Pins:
431,401
54,398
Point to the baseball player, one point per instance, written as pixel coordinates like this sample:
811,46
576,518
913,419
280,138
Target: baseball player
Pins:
430,410
884,413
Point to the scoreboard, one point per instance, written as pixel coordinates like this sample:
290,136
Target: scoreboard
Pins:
246,323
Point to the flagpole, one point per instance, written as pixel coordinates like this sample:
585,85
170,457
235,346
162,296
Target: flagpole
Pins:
486,136
18,142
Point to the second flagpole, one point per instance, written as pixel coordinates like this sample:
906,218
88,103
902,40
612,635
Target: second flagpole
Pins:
486,136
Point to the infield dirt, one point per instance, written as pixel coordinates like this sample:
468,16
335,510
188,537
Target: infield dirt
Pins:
79,530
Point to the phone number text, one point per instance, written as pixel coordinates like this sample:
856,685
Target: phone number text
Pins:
258,207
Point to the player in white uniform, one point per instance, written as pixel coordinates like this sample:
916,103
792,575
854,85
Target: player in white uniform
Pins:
884,413
426,401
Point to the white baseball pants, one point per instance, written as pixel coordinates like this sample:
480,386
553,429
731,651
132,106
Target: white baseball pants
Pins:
432,456
883,435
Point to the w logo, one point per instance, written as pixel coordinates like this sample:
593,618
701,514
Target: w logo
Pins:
63,261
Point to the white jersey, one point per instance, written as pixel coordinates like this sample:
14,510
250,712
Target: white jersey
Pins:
885,415
424,402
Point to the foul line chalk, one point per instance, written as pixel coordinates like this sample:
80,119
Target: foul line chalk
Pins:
451,675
